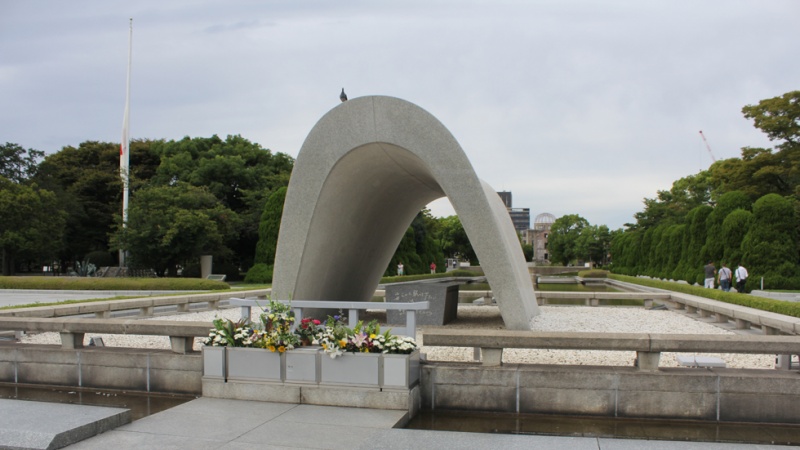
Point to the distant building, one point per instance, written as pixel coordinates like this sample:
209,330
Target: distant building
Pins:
505,196
521,217
537,237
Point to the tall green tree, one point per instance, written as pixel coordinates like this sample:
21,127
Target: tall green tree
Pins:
270,227
778,117
770,246
563,241
452,239
671,206
240,173
86,180
734,229
594,244
763,171
31,224
17,164
727,203
419,247
172,225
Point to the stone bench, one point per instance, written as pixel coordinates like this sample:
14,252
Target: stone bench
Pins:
744,317
648,347
593,298
181,334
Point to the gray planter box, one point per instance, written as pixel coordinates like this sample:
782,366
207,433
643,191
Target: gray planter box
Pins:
351,369
400,371
302,365
213,362
254,364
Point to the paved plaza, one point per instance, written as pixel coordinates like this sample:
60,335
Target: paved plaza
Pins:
207,423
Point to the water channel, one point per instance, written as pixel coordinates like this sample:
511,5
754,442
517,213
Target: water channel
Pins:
141,404
547,425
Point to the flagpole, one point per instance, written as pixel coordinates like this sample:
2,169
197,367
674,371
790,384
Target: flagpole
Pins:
124,148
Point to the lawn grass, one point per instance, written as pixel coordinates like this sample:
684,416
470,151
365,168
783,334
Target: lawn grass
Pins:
112,284
764,304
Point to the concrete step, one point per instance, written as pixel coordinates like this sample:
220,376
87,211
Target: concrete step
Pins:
40,425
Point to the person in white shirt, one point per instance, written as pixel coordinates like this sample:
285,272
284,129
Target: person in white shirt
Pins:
741,278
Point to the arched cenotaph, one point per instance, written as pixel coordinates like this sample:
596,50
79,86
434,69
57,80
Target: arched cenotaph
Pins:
363,173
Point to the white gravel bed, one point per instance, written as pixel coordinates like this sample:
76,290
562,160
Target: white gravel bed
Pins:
552,318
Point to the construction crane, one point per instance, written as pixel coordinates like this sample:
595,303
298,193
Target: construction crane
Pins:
708,146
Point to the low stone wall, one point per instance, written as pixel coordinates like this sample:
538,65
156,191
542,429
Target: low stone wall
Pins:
726,395
746,395
103,368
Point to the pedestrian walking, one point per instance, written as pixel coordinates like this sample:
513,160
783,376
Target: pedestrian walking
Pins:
711,272
724,278
741,278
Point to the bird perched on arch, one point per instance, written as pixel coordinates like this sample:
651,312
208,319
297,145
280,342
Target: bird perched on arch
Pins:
343,96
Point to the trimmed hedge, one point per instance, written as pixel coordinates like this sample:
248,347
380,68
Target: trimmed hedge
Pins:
764,304
259,274
112,284
593,273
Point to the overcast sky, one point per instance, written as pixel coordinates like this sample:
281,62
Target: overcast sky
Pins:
576,107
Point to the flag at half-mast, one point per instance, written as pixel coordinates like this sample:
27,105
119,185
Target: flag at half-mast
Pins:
124,147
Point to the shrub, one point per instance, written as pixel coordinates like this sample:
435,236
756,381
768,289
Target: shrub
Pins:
259,274
100,259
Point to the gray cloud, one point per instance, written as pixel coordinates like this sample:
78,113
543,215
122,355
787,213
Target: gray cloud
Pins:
576,107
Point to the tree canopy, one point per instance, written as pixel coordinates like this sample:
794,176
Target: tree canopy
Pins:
169,225
708,216
31,223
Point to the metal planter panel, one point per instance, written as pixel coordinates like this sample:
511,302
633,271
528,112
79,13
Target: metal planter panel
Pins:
400,371
302,365
214,362
351,369
254,364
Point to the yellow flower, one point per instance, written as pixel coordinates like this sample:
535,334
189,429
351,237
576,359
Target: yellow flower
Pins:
373,336
324,346
281,349
271,348
343,343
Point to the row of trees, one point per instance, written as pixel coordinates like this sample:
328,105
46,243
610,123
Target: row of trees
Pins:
739,210
189,197
572,238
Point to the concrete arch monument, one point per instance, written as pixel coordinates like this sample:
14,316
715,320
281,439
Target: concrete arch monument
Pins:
363,173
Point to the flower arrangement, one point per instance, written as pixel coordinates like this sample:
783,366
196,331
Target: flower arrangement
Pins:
307,329
332,336
275,333
227,333
336,339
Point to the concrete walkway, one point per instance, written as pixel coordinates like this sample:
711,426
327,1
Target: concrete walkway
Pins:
208,423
